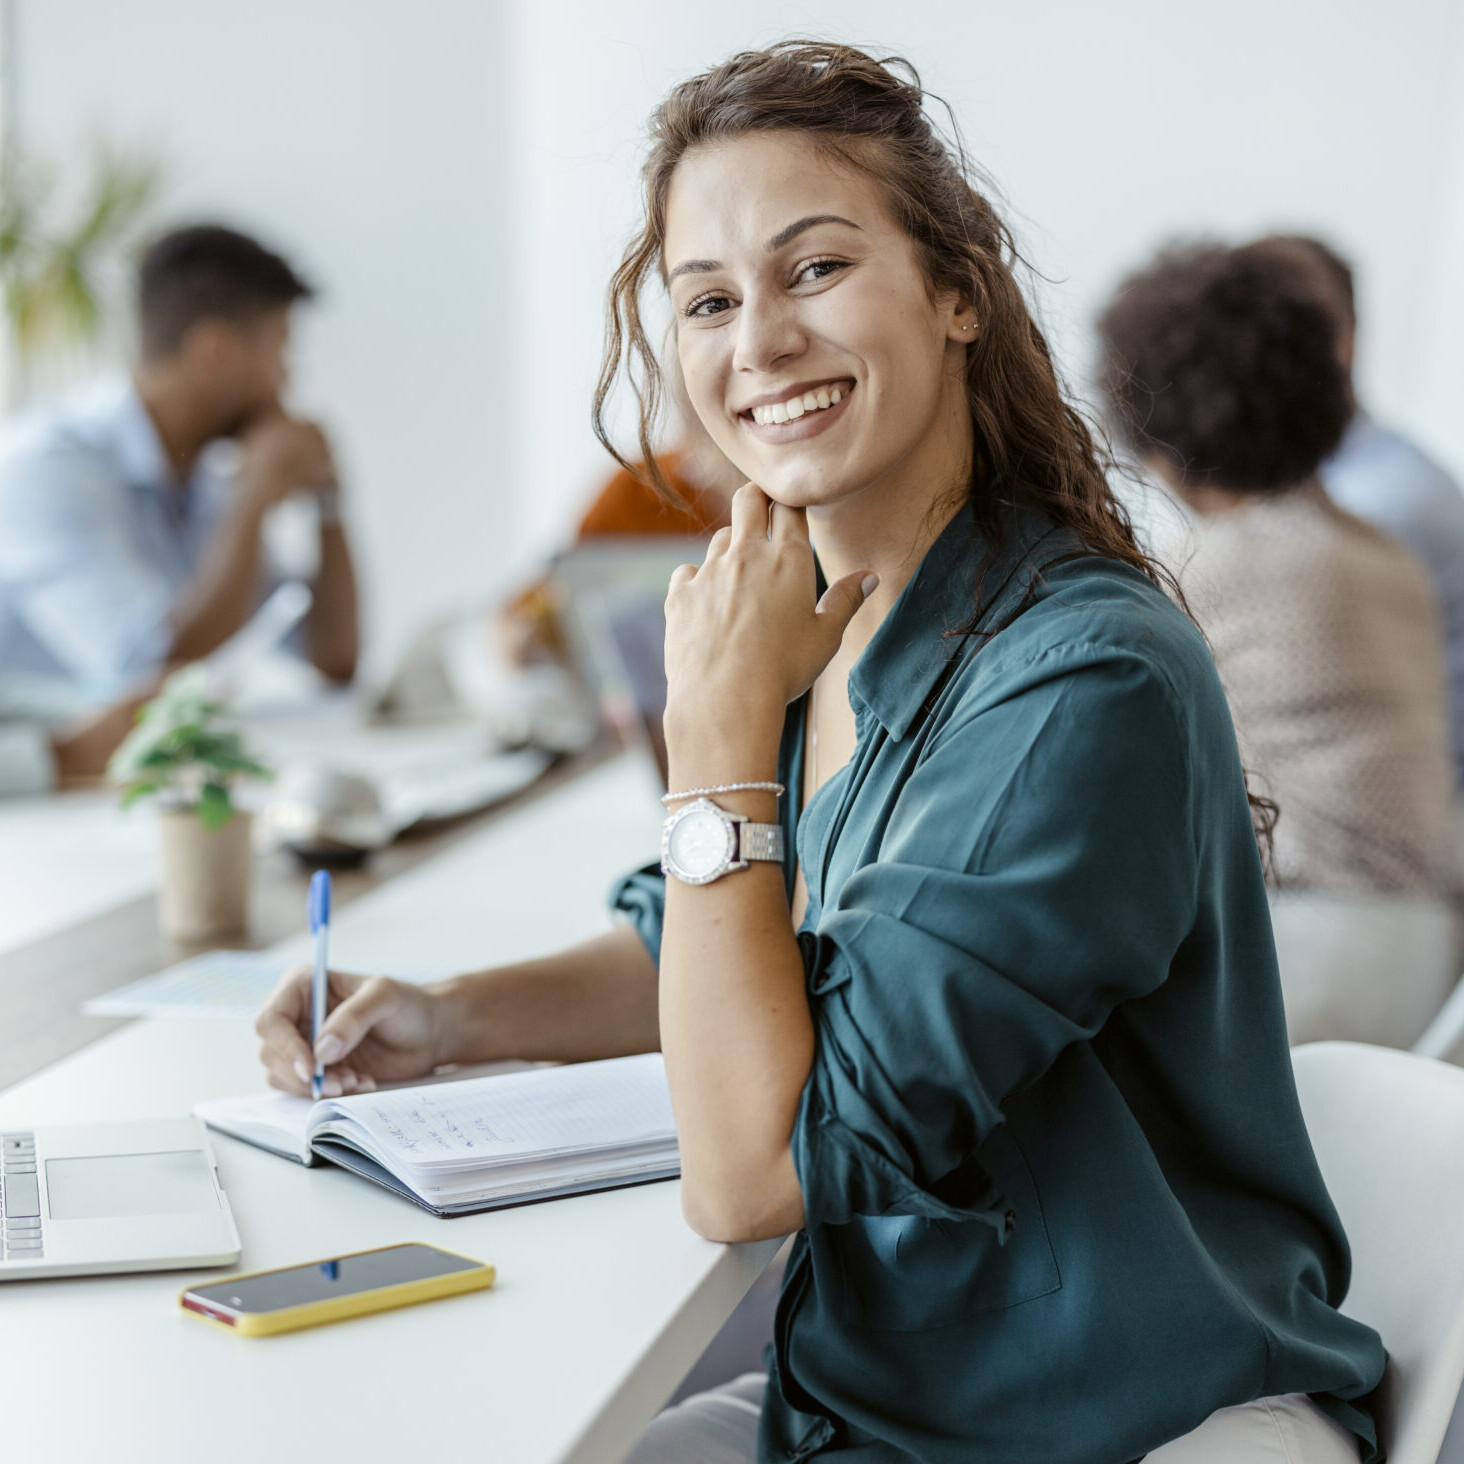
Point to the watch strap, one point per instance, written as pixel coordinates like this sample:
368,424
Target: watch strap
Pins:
760,841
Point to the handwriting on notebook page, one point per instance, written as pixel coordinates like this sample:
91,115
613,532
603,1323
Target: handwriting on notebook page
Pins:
541,1111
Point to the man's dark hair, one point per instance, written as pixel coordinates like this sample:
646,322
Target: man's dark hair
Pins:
1223,362
207,271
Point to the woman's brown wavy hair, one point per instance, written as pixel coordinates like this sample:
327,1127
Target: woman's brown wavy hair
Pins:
870,114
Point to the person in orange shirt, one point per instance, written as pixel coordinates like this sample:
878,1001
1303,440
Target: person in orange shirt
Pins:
627,505
704,481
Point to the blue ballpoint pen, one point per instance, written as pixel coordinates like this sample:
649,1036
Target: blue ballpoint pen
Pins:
320,928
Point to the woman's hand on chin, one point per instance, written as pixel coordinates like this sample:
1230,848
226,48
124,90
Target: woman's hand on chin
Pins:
746,632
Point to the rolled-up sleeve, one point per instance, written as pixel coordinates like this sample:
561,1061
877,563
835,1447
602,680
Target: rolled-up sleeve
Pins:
1037,868
640,900
71,572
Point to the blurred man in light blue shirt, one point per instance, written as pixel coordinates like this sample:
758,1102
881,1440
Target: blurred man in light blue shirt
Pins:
1384,478
131,513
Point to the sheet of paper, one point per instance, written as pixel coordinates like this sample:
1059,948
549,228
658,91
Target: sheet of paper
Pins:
230,984
580,1107
273,1119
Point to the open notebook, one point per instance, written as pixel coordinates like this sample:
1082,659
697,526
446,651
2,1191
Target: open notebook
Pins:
479,1143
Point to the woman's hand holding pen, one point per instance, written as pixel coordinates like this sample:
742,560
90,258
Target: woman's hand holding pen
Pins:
744,633
378,1031
597,999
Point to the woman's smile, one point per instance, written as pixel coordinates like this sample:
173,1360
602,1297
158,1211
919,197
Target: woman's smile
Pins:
798,412
795,288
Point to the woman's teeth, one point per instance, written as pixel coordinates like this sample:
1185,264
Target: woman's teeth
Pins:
795,407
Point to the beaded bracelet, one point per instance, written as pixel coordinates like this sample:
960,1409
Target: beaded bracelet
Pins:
775,788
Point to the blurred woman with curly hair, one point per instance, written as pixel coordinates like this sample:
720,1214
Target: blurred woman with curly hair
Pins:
1222,369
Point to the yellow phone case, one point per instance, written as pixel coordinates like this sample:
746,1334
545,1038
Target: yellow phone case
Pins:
339,1308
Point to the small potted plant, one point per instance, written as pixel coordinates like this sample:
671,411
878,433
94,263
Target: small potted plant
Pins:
184,754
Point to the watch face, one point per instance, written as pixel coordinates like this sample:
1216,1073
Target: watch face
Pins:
699,845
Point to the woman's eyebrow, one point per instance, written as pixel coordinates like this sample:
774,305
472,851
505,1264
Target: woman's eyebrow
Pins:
785,236
782,237
693,266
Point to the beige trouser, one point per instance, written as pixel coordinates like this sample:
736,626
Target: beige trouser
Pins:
720,1427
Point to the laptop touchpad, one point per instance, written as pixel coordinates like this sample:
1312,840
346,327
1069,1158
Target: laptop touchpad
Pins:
111,1186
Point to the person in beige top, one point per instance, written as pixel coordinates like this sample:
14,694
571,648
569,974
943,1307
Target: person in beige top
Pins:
1221,372
1327,639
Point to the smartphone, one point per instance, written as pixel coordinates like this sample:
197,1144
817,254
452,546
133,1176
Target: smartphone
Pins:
263,1302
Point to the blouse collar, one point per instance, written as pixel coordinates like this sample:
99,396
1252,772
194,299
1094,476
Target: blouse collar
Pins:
930,623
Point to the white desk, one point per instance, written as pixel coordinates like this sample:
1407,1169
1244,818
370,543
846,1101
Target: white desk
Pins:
603,1301
66,857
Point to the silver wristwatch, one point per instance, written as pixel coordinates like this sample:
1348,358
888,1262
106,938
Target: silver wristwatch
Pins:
703,841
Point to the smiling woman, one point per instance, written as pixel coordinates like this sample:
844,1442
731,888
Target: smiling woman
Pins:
986,1007
989,1069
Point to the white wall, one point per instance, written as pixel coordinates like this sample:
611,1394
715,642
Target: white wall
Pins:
460,176
1111,127
363,139
1440,367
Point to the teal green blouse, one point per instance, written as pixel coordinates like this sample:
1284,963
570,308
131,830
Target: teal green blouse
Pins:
1060,1202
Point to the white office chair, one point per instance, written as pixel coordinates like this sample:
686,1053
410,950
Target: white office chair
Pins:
1388,1129
1364,968
1443,1038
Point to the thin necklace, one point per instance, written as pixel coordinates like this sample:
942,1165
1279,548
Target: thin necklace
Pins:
813,740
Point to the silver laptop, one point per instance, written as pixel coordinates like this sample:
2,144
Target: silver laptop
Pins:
85,1199
612,589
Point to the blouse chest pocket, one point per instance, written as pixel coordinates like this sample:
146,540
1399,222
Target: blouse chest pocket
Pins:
906,1273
